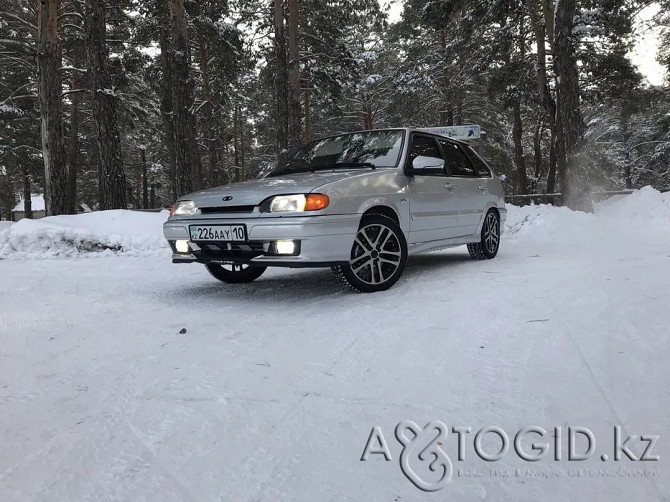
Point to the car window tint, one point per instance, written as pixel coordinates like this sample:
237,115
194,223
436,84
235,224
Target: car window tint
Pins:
456,162
481,168
425,147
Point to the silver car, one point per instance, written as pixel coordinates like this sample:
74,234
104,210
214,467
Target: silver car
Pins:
360,203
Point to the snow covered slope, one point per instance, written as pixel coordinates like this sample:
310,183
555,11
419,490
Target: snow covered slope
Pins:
271,392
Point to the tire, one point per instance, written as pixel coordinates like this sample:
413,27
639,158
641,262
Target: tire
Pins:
487,248
235,274
378,256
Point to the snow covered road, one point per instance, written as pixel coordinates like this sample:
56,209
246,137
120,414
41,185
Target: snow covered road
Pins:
272,391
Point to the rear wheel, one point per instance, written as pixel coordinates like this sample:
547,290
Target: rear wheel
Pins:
488,247
235,274
378,256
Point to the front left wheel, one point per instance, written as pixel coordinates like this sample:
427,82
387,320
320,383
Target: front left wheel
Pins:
235,274
378,256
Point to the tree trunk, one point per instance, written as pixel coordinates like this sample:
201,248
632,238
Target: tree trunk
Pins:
447,113
196,161
294,112
50,89
152,194
542,27
166,107
308,111
242,157
103,98
517,125
537,154
517,134
27,196
236,150
145,180
182,99
569,125
625,136
73,153
209,112
281,82
368,118
551,176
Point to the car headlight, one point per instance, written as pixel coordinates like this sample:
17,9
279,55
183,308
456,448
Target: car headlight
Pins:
299,202
183,208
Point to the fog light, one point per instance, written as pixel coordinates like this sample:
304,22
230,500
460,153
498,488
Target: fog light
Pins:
181,246
285,247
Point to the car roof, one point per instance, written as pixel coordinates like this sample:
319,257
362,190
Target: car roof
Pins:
407,129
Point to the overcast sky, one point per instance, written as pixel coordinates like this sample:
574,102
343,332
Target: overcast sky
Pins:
644,54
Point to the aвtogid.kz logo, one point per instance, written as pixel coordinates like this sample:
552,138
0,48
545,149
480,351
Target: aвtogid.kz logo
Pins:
426,464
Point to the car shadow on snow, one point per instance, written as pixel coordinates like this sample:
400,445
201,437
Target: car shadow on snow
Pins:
305,284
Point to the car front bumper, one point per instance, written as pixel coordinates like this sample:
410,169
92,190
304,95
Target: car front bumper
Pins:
322,240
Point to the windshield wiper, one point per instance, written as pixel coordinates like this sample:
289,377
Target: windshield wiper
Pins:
297,166
348,164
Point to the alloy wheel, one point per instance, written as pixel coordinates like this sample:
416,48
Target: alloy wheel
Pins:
491,233
376,254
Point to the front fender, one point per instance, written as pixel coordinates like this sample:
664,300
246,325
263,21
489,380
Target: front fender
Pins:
399,204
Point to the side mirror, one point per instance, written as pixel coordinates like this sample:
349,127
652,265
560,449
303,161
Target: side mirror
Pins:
422,164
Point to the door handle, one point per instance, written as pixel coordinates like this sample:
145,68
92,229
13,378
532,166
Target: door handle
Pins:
482,188
449,186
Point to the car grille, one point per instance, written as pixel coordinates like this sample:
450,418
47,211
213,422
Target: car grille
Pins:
227,209
225,251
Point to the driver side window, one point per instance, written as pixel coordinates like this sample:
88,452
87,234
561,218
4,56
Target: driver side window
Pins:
425,148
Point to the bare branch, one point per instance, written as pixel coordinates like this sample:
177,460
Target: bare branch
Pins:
18,44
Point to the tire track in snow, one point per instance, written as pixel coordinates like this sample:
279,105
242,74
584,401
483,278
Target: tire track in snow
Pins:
261,454
596,381
110,461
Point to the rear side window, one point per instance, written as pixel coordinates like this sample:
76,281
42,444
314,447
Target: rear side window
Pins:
456,161
481,168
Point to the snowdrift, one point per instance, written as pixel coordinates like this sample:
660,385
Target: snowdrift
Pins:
643,214
103,232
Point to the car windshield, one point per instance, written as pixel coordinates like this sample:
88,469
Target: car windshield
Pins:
370,149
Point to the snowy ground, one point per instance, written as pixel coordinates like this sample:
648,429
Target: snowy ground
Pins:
272,391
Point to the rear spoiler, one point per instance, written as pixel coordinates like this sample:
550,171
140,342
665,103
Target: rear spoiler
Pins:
460,132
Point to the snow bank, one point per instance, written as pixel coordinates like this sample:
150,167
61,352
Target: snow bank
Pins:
100,232
544,219
644,205
645,211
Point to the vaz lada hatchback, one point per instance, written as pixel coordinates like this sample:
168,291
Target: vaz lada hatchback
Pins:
360,203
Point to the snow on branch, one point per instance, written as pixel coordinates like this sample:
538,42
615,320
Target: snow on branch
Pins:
109,92
9,111
72,68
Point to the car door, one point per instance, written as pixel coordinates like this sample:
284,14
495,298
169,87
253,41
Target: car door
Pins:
433,203
471,192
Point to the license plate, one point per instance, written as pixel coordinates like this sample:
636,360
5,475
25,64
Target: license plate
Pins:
229,233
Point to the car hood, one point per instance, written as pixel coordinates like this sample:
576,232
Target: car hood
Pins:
253,192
